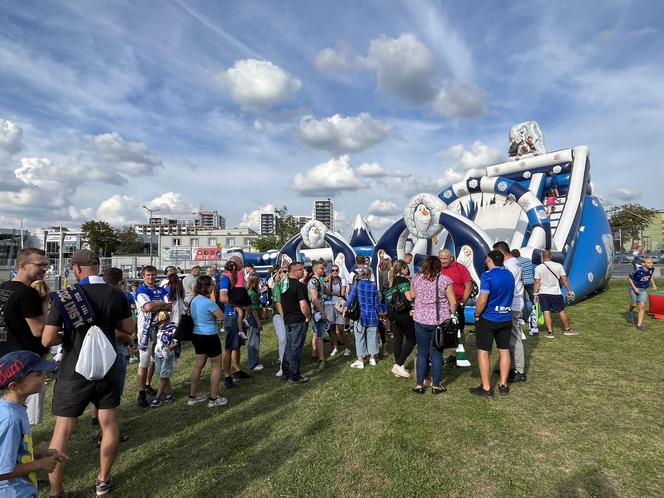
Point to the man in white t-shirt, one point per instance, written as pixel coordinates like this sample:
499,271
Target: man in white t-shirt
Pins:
188,283
518,370
549,277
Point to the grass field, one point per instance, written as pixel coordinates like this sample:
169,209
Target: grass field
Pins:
587,423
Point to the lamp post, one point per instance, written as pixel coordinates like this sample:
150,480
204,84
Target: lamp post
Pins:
150,211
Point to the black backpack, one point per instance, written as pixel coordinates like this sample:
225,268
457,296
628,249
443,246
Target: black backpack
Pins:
399,302
354,311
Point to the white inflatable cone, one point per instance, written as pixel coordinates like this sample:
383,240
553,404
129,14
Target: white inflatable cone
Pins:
461,360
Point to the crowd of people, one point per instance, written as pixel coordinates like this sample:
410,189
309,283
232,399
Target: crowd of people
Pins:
343,308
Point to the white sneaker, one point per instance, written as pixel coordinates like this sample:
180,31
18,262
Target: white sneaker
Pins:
198,399
258,368
347,352
280,373
357,364
217,402
400,371
372,362
404,373
334,352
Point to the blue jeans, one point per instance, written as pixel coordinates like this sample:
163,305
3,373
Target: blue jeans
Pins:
296,334
123,353
424,334
253,344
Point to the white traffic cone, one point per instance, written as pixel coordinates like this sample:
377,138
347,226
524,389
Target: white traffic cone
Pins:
461,359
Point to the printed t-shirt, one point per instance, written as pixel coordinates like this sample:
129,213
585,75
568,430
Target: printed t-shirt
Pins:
19,301
512,264
225,286
642,277
146,322
165,339
499,284
424,311
15,448
202,312
459,275
549,279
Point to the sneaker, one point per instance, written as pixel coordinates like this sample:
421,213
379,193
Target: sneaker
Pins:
228,383
301,380
334,352
640,328
241,375
258,368
479,391
515,376
133,359
570,332
149,391
280,373
242,336
156,402
142,400
357,364
533,332
321,365
549,335
170,398
102,488
400,371
199,398
630,317
372,362
347,352
503,390
216,402
404,372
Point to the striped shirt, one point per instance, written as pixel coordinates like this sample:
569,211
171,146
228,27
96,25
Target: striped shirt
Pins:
527,270
367,293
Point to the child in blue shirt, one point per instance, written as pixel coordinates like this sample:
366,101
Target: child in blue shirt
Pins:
164,354
22,373
639,281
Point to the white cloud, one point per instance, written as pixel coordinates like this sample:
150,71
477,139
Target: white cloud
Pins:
404,66
378,222
335,175
371,170
252,219
121,210
341,59
84,214
459,99
379,207
41,172
128,158
339,135
171,203
478,156
258,85
625,195
10,139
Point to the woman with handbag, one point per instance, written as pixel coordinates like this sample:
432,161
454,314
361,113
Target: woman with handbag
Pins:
205,313
434,305
399,313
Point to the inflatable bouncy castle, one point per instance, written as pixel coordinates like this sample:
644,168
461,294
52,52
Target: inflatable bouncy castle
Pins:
536,200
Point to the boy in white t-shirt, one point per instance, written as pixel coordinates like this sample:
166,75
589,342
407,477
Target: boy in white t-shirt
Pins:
549,278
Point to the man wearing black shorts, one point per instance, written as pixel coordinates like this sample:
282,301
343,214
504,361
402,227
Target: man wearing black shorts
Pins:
493,316
73,392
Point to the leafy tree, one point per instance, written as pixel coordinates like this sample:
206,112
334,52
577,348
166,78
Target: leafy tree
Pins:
100,236
631,219
285,228
129,241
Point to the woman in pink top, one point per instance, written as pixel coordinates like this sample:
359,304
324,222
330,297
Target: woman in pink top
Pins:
423,292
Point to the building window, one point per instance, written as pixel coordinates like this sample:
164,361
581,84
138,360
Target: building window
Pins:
247,242
212,241
194,242
176,242
230,241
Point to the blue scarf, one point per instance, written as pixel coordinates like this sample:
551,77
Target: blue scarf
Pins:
74,307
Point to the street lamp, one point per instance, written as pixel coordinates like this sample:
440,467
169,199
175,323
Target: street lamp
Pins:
150,211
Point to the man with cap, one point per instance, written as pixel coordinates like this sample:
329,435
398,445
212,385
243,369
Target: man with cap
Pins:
22,313
22,373
99,304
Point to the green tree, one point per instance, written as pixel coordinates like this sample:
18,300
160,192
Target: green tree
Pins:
129,241
631,219
100,236
286,227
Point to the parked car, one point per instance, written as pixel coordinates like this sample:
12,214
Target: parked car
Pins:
623,257
654,256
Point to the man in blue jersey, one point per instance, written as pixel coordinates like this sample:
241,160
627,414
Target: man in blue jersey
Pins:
639,281
493,319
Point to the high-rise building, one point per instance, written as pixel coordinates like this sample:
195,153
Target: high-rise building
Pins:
324,212
268,224
211,219
302,220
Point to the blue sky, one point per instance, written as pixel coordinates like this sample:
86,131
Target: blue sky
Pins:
239,105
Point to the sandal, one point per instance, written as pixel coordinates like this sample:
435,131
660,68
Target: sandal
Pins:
438,389
418,390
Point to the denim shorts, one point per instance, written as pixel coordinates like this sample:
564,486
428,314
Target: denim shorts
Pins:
232,340
318,329
638,298
163,367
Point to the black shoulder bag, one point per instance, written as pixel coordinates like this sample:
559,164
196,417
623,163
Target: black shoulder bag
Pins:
185,328
445,333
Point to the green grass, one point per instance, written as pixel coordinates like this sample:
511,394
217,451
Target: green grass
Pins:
587,423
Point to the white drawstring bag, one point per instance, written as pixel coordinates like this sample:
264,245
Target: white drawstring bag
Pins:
97,355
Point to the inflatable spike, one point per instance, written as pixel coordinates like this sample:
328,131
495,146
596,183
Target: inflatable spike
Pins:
461,360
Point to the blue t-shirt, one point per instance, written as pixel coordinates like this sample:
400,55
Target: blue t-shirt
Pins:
15,448
499,284
202,311
642,277
225,285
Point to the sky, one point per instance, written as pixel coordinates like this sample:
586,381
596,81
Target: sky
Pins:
243,106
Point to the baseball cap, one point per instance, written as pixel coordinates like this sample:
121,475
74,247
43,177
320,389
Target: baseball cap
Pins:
16,365
85,257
